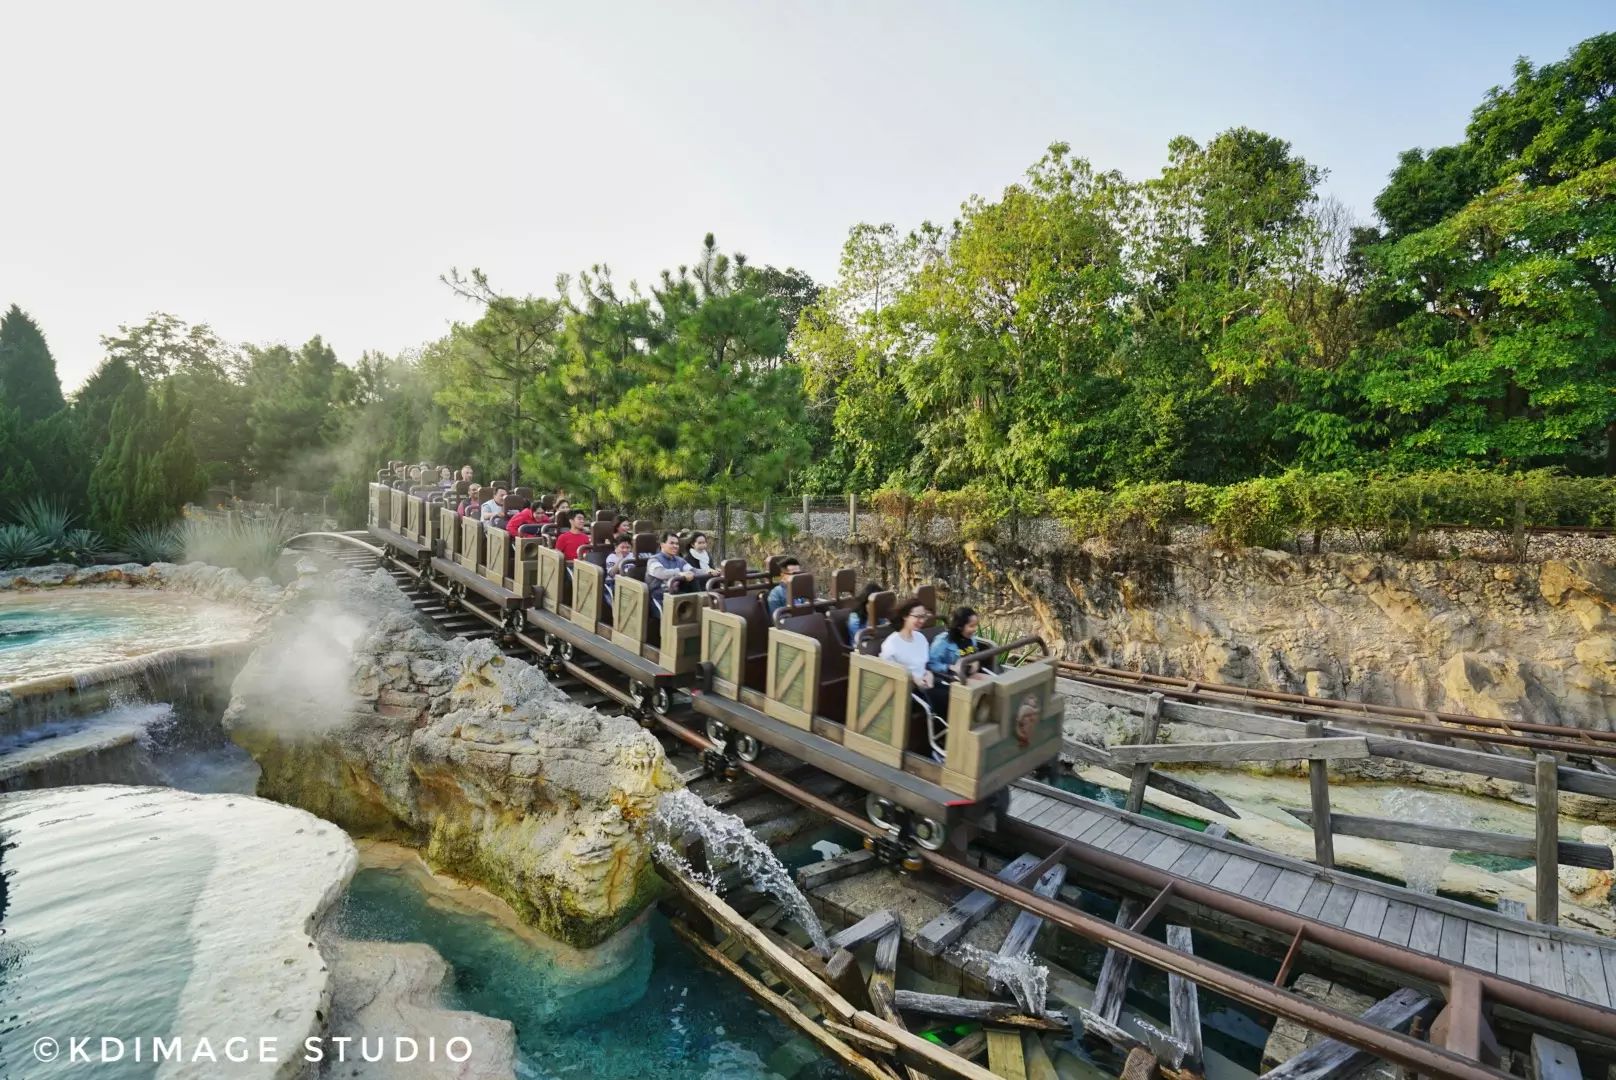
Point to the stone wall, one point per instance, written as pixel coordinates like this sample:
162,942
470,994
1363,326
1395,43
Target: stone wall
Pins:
1531,641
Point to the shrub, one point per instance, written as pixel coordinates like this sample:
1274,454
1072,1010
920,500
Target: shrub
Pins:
250,546
154,543
21,546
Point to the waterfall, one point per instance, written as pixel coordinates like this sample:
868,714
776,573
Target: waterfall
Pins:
730,843
1027,980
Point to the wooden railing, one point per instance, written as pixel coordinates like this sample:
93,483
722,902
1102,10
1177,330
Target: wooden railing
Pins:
1318,743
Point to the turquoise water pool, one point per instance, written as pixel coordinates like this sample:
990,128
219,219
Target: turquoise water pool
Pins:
62,631
660,1015
65,967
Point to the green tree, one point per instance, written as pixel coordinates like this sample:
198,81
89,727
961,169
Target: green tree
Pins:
18,480
295,411
28,381
95,400
149,470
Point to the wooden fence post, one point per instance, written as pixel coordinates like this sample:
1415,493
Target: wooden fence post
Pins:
1318,778
807,517
852,515
1517,540
721,521
1141,771
1548,840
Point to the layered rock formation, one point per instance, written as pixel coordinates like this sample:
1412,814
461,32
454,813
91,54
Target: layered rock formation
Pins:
356,712
195,579
1529,641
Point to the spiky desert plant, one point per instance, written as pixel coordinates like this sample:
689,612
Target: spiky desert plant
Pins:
81,547
20,546
154,543
249,545
48,519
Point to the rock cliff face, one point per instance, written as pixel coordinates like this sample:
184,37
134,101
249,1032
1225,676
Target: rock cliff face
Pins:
357,713
1528,641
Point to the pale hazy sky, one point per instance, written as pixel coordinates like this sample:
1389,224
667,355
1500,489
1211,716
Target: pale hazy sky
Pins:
285,169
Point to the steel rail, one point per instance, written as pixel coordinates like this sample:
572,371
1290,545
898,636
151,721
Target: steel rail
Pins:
1592,747
346,538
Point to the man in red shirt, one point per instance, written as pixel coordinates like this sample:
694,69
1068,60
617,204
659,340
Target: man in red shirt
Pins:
570,541
523,516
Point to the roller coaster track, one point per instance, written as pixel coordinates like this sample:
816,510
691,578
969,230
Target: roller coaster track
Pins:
1467,991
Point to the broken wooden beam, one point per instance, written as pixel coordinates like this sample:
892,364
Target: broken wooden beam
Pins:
1213,753
1172,785
953,924
1004,1054
1024,931
1572,852
1328,1059
1553,1060
1184,1004
843,974
846,865
872,926
1112,985
1002,1013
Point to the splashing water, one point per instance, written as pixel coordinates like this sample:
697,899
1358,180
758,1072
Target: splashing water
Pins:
1027,980
1423,866
730,843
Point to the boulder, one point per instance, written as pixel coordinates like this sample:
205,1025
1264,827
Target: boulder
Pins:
357,713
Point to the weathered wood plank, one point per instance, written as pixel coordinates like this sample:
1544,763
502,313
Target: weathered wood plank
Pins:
883,982
972,1046
1571,852
1452,946
1367,914
1546,965
843,974
1184,1005
1004,1054
1318,785
1584,974
1512,909
1426,937
1142,847
1398,924
1187,862
1209,867
1002,1013
1328,1059
952,924
1039,1065
1350,746
1135,801
1481,948
1547,801
782,1008
1261,881
1173,785
1024,931
919,1054
1235,873
872,926
1317,893
1289,890
1553,1060
1514,956
1166,853
1112,985
846,865
1122,840
1338,904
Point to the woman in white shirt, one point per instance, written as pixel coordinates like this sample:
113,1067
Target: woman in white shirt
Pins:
908,646
698,555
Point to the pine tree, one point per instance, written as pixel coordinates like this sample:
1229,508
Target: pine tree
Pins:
96,398
148,470
28,381
18,482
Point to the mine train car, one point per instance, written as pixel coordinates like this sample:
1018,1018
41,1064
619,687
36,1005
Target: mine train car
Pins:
795,682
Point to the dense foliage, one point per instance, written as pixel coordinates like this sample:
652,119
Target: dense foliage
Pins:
1216,343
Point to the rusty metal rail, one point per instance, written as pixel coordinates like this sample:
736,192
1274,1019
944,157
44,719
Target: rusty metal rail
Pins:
1391,717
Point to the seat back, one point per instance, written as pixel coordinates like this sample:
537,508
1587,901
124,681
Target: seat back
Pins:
594,553
471,543
601,533
878,709
644,525
631,613
395,509
843,584
880,608
414,506
552,578
525,565
645,544
680,638
607,516
496,554
807,671
448,533
927,594
588,595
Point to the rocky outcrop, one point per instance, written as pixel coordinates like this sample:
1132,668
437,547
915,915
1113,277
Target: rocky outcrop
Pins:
194,579
1530,641
356,712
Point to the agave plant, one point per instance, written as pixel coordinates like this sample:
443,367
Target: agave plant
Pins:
154,543
81,547
47,519
251,546
20,546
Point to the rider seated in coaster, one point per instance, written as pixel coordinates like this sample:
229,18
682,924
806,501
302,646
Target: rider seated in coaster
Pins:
521,515
667,568
907,646
493,510
861,608
958,641
777,596
575,537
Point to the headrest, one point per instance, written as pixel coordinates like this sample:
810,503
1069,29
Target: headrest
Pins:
842,583
548,502
881,605
605,515
927,594
733,571
645,543
601,533
800,590
642,525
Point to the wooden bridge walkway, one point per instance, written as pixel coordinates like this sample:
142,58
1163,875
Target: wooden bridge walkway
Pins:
1569,962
